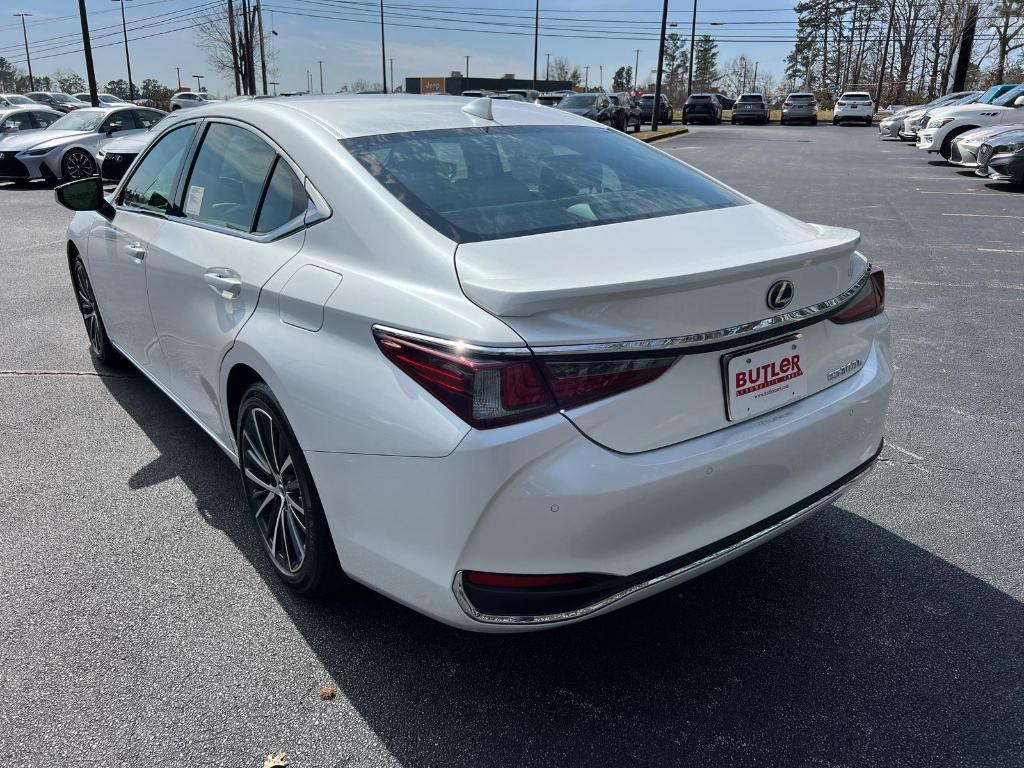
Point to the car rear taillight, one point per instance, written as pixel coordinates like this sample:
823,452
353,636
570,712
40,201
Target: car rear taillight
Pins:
869,301
842,103
488,390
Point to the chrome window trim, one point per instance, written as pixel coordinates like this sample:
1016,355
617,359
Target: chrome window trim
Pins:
752,540
776,322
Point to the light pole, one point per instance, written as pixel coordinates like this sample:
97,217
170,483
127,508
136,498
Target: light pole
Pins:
547,67
275,84
536,41
753,83
28,59
383,53
90,71
199,82
586,78
178,70
636,69
600,69
467,67
392,63
127,57
320,62
656,107
693,50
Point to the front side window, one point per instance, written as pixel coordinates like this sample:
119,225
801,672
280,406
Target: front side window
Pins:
1007,99
147,118
151,186
63,98
227,177
474,184
80,120
119,121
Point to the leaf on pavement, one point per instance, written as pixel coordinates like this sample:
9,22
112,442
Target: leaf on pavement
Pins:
327,693
280,760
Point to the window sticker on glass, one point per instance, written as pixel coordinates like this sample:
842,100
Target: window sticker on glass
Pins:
194,204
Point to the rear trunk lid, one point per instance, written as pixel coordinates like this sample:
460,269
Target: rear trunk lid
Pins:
662,280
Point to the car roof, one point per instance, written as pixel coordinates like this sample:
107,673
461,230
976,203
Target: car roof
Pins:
351,115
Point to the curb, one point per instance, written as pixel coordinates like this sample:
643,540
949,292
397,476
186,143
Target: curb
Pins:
661,136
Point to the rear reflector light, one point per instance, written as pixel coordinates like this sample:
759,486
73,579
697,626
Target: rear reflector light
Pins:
522,581
489,391
869,301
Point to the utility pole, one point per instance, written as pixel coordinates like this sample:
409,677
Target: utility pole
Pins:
127,58
322,77
89,69
656,107
467,67
392,63
885,53
824,50
178,70
743,87
234,47
586,78
693,49
636,69
963,58
600,69
536,41
24,31
263,55
849,52
383,54
753,84
246,51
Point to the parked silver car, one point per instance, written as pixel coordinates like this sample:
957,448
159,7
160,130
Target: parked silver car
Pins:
105,99
67,148
22,119
799,106
16,100
964,149
187,99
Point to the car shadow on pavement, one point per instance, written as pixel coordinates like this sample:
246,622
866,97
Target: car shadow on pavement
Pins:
839,643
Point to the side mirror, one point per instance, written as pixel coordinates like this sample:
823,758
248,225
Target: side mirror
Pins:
82,195
113,128
1019,101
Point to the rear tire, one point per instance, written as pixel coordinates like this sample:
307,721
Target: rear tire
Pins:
287,514
835,121
867,121
814,121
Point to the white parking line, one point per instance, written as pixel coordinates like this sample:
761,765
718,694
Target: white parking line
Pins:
999,250
922,192
985,215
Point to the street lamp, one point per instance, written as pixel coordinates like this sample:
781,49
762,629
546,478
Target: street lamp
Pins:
127,57
467,67
274,83
178,70
636,70
586,78
391,61
321,63
28,59
199,82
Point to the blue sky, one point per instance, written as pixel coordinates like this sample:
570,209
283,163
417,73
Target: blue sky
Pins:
350,49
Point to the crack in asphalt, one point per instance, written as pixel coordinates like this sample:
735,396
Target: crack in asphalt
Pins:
63,373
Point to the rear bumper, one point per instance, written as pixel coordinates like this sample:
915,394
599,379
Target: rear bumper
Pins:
539,498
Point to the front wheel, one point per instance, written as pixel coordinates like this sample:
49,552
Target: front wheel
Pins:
282,498
867,121
77,164
835,121
99,343
814,121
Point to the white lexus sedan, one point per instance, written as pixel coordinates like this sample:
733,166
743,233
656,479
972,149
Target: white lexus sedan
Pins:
446,345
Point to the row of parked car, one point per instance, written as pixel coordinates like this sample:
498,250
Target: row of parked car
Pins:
983,130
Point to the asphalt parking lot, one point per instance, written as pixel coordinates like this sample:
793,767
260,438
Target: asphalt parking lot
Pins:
143,627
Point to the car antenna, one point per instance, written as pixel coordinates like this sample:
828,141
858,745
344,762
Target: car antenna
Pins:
480,108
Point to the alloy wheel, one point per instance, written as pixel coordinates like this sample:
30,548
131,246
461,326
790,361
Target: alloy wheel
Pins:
78,165
273,490
87,304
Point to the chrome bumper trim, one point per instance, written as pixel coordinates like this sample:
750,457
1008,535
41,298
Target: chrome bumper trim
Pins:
749,542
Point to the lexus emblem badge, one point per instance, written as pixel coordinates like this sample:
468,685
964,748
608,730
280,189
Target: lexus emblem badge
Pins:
780,294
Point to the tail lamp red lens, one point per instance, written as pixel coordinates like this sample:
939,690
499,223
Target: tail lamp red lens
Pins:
489,391
522,581
869,301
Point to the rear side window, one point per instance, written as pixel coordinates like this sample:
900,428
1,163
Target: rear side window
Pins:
475,184
151,186
227,177
45,119
147,118
284,201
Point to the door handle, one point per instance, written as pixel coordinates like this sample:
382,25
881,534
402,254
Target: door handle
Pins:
136,250
226,283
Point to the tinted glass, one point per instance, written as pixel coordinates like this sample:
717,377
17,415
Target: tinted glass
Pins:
122,121
748,97
227,178
579,100
20,121
81,120
63,98
147,118
1007,99
802,97
285,200
45,119
15,99
151,186
476,184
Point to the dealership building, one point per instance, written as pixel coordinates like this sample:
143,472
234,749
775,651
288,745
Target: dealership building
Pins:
456,84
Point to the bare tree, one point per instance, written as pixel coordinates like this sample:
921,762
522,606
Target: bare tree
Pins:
213,36
1008,28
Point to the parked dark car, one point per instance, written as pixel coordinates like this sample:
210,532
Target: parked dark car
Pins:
647,109
550,99
1001,158
751,108
59,101
627,111
703,107
596,106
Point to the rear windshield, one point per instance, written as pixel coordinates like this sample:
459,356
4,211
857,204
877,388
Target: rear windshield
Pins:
699,98
800,97
15,99
579,100
751,97
856,96
474,184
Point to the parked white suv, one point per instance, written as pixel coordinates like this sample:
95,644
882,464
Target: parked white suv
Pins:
187,99
949,122
854,105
